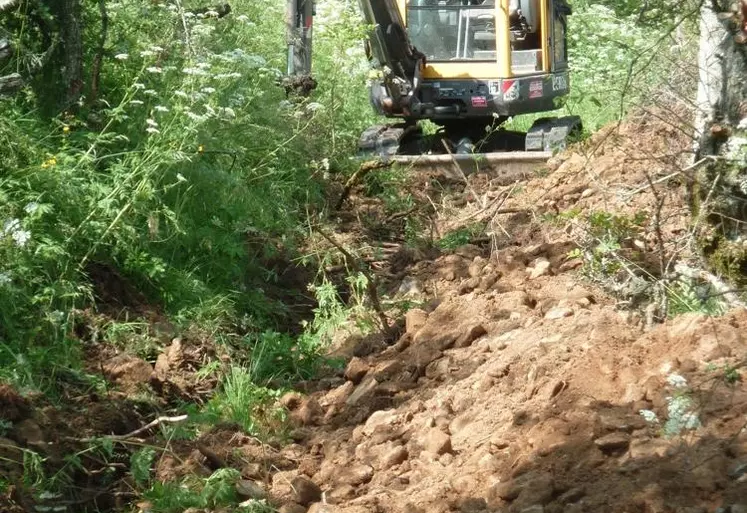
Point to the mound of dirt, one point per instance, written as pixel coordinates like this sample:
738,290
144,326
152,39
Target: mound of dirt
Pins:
519,387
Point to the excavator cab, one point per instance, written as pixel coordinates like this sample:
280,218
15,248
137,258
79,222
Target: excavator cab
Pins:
466,65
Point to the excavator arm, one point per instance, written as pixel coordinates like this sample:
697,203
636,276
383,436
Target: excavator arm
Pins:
400,63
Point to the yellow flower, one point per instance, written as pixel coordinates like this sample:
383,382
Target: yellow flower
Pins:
65,129
201,149
49,163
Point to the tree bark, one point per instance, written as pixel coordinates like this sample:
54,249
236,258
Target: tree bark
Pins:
70,26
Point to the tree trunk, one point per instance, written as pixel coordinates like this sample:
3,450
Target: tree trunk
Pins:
70,25
721,124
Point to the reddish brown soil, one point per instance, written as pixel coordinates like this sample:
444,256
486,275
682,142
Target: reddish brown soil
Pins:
517,386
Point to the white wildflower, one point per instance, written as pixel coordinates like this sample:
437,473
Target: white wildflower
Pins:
10,226
150,92
210,111
208,90
285,105
156,49
147,53
181,94
21,237
203,65
160,108
195,117
742,124
5,279
189,15
242,18
138,86
194,71
228,112
314,106
211,13
31,207
151,122
677,381
121,56
154,69
180,177
152,130
136,102
222,76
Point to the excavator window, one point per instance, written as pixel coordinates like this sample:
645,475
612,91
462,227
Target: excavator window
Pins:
446,30
465,30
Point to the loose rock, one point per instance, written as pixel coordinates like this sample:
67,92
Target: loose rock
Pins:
612,443
305,490
356,369
558,313
250,490
415,319
437,442
472,334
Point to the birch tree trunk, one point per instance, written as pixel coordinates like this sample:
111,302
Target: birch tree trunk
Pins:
721,124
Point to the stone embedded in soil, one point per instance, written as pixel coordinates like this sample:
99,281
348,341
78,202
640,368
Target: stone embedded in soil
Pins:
473,333
540,267
364,389
393,457
558,313
436,442
305,490
339,395
355,475
356,369
250,490
613,442
415,318
468,286
476,267
341,493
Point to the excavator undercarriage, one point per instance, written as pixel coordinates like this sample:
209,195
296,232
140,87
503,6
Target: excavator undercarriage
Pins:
467,66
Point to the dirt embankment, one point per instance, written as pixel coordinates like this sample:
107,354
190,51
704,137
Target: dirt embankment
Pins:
518,386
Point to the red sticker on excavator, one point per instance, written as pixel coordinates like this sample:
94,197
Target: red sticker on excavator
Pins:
535,89
479,101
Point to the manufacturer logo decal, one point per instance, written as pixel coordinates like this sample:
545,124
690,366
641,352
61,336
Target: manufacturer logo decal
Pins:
479,102
559,83
494,87
535,89
510,90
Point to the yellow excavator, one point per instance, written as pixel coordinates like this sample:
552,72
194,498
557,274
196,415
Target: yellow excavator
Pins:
465,65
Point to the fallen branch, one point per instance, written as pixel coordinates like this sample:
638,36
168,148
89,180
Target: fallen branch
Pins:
132,434
371,287
362,171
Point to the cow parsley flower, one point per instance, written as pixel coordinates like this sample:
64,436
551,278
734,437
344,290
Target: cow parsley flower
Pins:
31,207
160,108
152,130
5,279
154,69
21,237
121,56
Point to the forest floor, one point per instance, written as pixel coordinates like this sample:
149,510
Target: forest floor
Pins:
517,384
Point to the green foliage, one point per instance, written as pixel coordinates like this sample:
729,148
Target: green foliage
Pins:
242,401
140,465
217,491
459,237
687,296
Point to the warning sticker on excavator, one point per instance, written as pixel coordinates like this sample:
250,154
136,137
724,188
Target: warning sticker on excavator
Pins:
535,88
494,87
479,101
